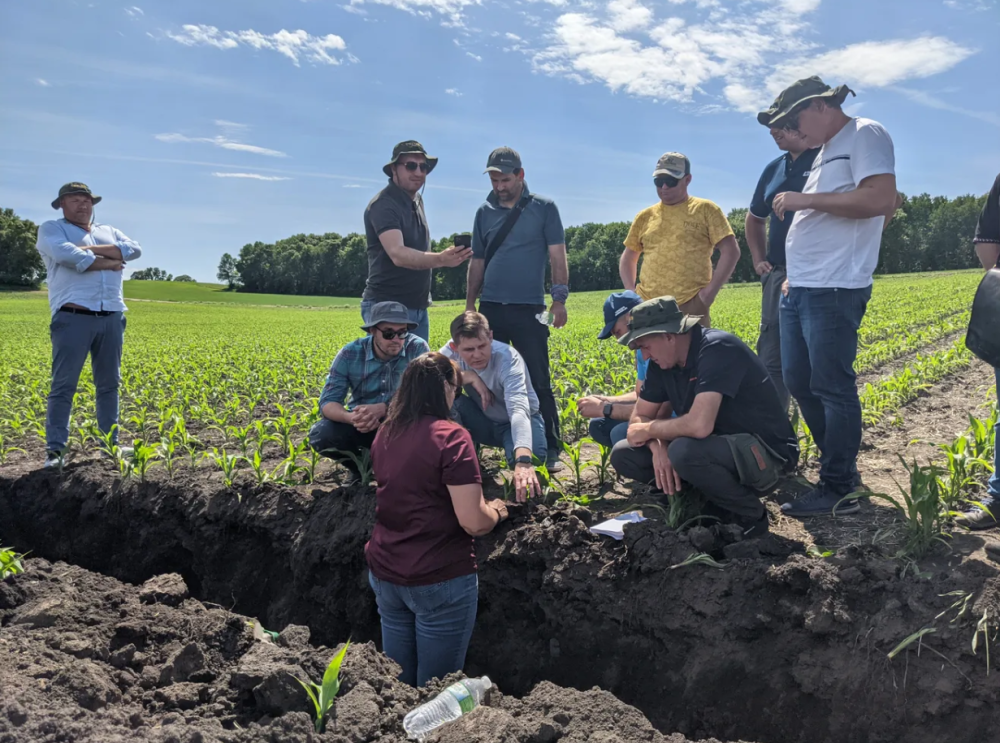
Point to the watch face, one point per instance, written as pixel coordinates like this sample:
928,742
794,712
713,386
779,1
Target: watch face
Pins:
608,410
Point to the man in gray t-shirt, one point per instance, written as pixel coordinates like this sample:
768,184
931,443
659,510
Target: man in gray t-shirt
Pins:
511,277
501,408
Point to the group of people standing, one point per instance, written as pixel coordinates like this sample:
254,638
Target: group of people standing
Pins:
706,410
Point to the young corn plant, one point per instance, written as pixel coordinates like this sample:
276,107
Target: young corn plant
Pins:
322,695
363,462
166,450
6,448
603,465
257,466
226,462
577,465
10,563
143,457
698,558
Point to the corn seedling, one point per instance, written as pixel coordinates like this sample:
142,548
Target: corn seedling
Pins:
698,558
577,465
603,465
983,628
10,563
322,695
166,450
143,457
226,462
257,466
916,637
362,461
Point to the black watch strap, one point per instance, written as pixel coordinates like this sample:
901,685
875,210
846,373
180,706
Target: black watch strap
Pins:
523,459
608,409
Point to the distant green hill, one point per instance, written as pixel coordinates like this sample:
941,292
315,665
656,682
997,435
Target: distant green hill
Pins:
188,291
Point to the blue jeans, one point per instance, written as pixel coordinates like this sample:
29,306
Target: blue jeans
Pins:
994,483
486,432
419,317
426,629
608,431
73,338
819,342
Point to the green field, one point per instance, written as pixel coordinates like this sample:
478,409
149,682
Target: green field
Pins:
221,367
189,291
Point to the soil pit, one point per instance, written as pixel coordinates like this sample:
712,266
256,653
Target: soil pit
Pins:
779,647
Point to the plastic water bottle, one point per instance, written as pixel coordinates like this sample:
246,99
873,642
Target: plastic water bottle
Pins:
546,318
457,700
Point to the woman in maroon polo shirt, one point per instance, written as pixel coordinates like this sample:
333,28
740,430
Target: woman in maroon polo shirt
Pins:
421,560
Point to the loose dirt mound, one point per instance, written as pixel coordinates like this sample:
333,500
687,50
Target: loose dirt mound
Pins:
87,658
779,647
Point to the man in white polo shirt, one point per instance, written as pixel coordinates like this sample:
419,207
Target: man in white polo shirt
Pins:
832,251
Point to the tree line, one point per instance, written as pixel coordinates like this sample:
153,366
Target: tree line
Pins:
928,233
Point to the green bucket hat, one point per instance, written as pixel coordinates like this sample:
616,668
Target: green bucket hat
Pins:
409,147
74,187
798,92
660,315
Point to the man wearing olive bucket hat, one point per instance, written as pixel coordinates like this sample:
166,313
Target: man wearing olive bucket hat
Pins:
84,262
399,242
832,250
730,438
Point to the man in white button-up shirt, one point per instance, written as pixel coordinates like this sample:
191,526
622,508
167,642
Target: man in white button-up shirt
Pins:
84,261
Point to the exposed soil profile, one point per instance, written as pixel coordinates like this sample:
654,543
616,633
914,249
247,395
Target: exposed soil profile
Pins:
779,647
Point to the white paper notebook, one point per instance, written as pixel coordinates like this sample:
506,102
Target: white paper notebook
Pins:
615,528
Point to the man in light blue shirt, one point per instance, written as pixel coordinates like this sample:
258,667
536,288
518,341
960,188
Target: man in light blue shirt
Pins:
84,261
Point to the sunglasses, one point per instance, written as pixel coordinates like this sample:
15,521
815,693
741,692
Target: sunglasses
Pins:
791,123
665,180
412,166
392,334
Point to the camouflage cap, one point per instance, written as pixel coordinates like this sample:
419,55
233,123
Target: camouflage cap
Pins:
798,92
673,164
74,187
659,315
409,147
503,160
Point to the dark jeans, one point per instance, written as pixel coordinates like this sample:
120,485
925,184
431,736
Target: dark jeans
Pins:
994,484
706,464
769,340
487,432
819,342
426,629
516,324
73,337
328,437
607,431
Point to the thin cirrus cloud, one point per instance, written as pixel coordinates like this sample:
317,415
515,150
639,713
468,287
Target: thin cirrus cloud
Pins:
252,176
220,141
295,45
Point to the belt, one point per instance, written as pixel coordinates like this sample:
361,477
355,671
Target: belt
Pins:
93,313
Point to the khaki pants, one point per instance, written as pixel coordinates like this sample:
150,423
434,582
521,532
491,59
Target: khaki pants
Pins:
695,306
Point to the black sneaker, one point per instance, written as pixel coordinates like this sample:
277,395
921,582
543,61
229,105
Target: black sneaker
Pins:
977,519
820,502
757,528
552,462
54,459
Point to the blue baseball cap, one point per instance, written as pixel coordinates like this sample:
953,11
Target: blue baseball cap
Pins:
615,306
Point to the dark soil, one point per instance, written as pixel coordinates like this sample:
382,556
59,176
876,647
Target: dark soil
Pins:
88,658
778,647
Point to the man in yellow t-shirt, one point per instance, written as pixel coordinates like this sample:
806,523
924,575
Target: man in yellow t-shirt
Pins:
677,238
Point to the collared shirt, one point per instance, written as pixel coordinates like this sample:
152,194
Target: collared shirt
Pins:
988,226
781,174
63,248
720,362
677,242
394,209
516,274
369,379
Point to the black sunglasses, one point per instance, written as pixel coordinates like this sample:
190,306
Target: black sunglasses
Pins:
791,122
412,166
391,334
665,180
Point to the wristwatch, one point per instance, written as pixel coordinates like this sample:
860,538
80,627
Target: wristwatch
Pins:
608,409
523,459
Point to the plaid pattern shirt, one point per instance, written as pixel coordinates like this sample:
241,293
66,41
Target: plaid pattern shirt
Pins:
369,379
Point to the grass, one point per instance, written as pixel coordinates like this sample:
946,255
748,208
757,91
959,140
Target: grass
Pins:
189,291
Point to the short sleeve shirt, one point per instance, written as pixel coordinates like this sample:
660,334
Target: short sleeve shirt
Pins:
825,251
393,209
677,243
988,227
417,539
516,274
781,174
721,362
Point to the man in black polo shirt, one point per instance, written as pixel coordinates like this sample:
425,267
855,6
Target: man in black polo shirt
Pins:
512,277
788,172
731,438
399,257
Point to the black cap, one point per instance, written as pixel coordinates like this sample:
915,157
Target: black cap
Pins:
503,160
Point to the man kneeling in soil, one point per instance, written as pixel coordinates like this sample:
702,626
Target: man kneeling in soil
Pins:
731,437
370,368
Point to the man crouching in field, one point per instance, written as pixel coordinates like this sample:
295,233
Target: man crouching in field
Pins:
370,368
731,437
84,262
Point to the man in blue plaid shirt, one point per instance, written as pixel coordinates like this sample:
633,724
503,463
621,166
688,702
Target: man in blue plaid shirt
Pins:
370,368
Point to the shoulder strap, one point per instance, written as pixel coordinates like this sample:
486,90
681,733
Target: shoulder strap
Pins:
505,228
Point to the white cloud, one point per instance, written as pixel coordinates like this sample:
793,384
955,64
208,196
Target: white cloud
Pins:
253,176
926,99
800,7
353,185
474,56
512,37
454,91
43,83
450,10
629,15
292,44
220,141
231,125
134,12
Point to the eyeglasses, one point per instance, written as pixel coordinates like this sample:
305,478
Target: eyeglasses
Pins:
412,166
791,122
665,180
390,334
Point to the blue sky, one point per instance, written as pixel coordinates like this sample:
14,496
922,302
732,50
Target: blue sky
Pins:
207,125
